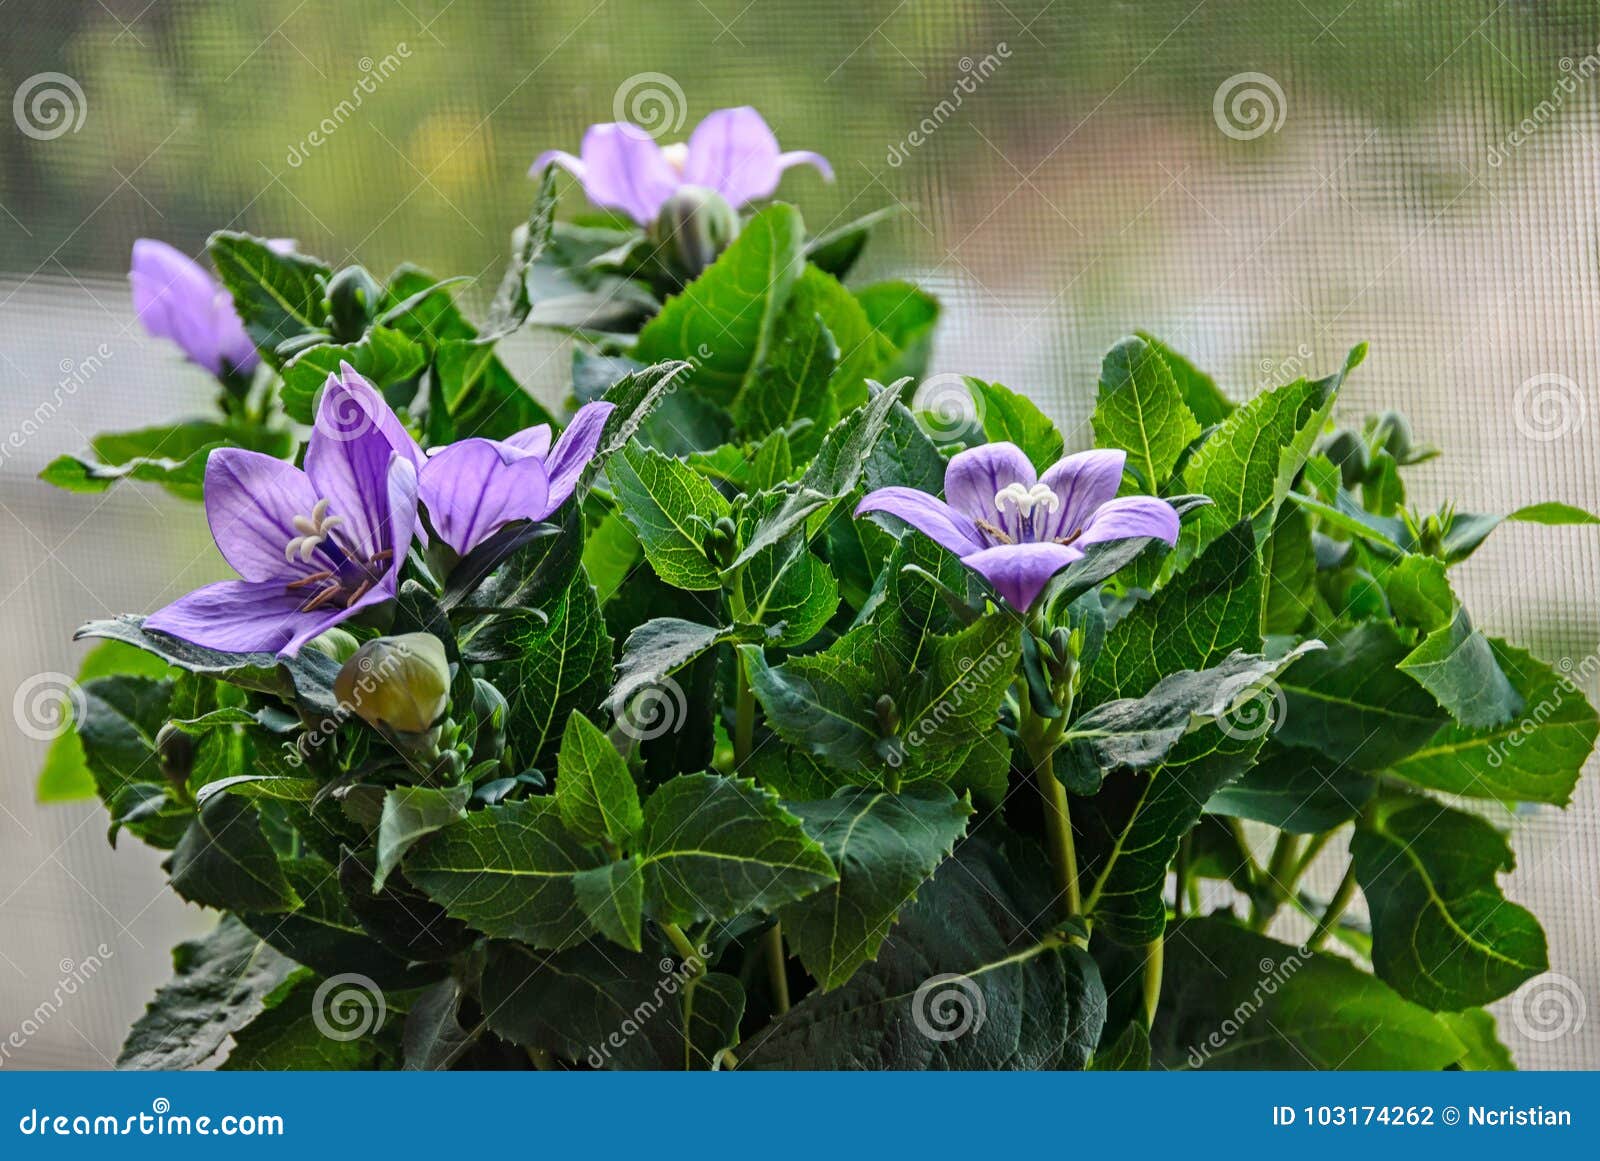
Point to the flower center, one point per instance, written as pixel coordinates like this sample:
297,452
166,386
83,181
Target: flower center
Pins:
354,573
677,155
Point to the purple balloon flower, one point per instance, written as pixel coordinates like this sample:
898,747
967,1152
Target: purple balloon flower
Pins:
475,487
177,299
731,152
313,547
1016,529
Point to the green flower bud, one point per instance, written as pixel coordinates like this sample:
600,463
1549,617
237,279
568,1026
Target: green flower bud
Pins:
887,713
1348,451
694,227
353,296
1393,432
335,643
401,682
175,755
490,708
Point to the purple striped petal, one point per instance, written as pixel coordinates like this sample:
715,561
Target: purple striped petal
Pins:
975,475
378,412
929,515
251,502
1019,572
348,462
535,441
624,169
1129,517
562,158
244,617
576,447
472,489
806,157
1082,483
177,299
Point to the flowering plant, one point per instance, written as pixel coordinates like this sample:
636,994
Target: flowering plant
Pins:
753,718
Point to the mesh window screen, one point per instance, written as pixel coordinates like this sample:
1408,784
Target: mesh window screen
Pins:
1262,185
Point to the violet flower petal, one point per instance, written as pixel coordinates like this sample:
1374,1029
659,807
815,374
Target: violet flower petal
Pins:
359,391
1019,572
624,169
1082,482
472,490
348,463
1129,517
929,515
177,299
251,502
533,440
734,153
574,449
806,157
974,476
562,158
244,617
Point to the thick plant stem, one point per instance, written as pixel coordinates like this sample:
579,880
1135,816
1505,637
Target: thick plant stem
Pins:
777,970
1280,879
1058,832
1154,957
744,720
1342,895
693,962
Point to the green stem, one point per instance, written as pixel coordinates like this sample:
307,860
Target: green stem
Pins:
687,951
1342,895
1279,880
1180,874
777,970
1155,954
744,719
1309,855
1039,740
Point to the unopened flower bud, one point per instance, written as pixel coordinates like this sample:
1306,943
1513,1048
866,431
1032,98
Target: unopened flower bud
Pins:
1394,435
887,713
1348,451
401,682
490,708
335,643
694,227
353,296
175,755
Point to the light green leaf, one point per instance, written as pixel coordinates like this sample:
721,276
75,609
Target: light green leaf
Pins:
672,510
1141,411
410,814
594,791
383,356
1011,418
278,296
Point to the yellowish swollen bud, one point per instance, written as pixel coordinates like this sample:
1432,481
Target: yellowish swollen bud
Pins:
402,683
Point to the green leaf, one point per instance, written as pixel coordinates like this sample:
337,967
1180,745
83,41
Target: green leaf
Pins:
1536,758
658,649
173,455
279,297
305,680
1442,933
224,861
1137,733
433,1037
964,962
410,814
1350,703
1141,410
612,897
220,983
609,554
1552,512
508,870
1129,1052
1199,390
907,316
558,666
723,320
832,475
904,457
1289,565
1231,999
885,847
635,397
129,744
1475,1028
290,1033
383,356
794,383
784,587
713,848
482,396
1419,592
1248,464
1457,665
672,510
594,791
1208,611
1011,418
324,934
512,301
603,1008
1295,790
836,250
863,353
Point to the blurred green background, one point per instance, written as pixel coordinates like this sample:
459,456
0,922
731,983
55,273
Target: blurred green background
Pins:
1423,176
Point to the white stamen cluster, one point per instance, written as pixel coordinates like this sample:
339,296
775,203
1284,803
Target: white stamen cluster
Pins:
1026,500
313,529
677,155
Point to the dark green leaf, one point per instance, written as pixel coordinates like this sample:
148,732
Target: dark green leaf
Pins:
1141,410
1296,790
594,791
279,297
292,1033
410,814
671,509
224,861
1457,665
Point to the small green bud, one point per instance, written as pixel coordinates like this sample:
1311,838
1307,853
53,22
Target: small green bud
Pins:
1393,434
335,643
353,296
1348,451
887,713
175,756
401,682
490,708
694,227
